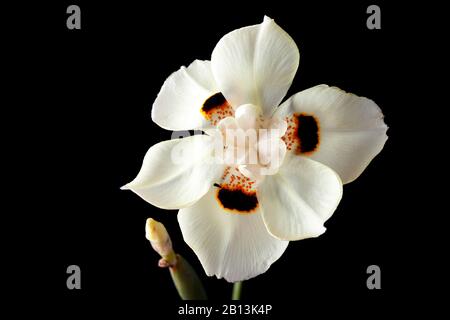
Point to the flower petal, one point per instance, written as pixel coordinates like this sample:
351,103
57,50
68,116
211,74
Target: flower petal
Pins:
256,65
176,173
351,128
271,148
298,199
247,116
229,245
181,100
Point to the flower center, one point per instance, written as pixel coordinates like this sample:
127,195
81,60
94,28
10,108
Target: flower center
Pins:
251,143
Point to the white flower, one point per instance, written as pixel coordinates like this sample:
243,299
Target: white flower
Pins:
240,203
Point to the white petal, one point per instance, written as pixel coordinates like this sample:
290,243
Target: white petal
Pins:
247,116
278,126
252,171
256,65
352,130
271,151
298,199
228,123
229,245
179,103
176,173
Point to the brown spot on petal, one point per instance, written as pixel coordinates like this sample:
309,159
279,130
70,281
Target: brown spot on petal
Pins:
303,133
307,133
237,200
215,101
216,108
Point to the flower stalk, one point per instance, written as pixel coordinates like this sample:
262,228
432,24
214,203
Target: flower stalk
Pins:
186,280
237,289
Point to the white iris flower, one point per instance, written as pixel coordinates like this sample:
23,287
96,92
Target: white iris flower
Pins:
264,173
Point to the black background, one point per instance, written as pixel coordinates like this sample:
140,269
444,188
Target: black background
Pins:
87,107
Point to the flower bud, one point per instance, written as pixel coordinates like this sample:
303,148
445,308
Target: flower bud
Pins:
157,234
185,279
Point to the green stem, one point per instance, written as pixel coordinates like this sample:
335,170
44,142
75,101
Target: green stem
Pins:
186,280
237,288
